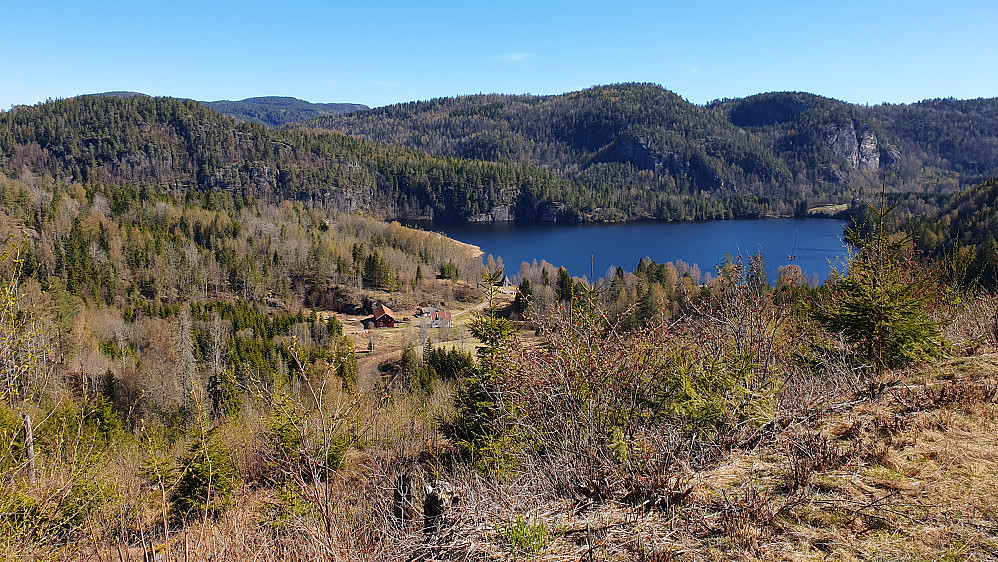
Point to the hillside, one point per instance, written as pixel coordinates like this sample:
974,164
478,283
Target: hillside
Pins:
779,144
964,225
631,134
276,110
908,475
183,145
620,152
931,146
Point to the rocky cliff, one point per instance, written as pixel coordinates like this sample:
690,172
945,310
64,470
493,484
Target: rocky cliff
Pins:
858,146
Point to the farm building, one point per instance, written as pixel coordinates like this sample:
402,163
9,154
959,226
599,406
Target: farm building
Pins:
441,319
383,317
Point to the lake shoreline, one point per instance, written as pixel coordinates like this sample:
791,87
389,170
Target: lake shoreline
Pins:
813,243
814,213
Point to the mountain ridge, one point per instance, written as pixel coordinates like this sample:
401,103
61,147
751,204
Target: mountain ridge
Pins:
273,111
607,153
812,145
278,110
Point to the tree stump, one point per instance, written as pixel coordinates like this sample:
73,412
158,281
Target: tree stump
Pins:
440,497
403,507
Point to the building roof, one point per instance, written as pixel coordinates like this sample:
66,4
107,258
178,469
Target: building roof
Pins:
382,310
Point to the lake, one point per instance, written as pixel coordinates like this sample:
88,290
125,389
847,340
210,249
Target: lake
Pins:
814,244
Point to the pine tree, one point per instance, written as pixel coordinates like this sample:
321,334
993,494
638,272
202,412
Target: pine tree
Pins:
523,296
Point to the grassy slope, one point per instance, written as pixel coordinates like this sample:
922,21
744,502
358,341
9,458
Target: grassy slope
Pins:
909,475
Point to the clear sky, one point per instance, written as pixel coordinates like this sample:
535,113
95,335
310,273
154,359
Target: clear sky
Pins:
377,53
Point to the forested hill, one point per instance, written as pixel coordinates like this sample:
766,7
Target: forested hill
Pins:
633,135
966,226
929,146
183,145
632,151
805,146
278,110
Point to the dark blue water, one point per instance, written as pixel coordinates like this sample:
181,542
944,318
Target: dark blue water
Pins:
812,244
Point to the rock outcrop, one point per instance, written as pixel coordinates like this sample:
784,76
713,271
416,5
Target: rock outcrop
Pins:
860,148
499,213
869,151
637,151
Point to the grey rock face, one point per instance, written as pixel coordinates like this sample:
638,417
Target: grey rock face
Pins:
869,151
637,152
842,141
499,213
860,148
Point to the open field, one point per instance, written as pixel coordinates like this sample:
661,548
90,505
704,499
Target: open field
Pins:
828,210
388,343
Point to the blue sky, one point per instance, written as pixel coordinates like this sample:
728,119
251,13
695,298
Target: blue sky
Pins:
378,53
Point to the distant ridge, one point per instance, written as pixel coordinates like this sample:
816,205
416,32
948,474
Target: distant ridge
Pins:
607,153
119,94
272,111
277,110
780,144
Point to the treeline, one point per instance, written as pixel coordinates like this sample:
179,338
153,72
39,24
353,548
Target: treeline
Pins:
956,234
963,229
105,243
184,146
653,293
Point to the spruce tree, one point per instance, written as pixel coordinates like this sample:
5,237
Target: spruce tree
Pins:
481,428
564,285
879,303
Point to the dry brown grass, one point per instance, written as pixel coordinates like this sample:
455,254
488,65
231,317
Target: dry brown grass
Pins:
974,326
909,474
913,476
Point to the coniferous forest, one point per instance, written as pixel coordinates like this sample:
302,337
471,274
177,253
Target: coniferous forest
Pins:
775,153
623,152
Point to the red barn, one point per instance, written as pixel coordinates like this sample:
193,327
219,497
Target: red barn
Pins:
383,317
